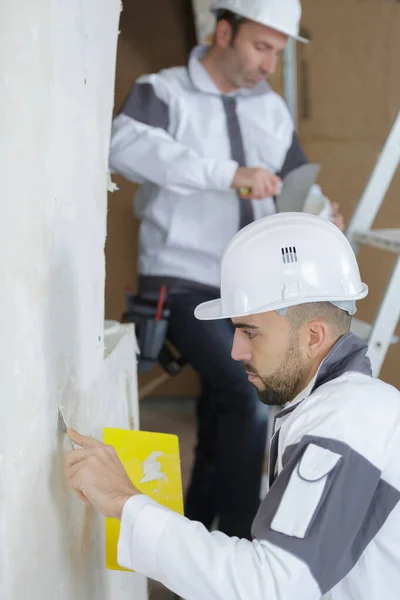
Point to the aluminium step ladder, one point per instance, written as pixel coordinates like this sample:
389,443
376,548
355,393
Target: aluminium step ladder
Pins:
380,334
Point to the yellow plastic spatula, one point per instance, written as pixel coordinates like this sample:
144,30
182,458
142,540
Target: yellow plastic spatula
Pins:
152,463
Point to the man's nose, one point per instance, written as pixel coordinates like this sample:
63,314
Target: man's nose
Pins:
240,349
269,62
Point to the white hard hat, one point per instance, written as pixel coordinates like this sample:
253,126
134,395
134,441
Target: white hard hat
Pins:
282,15
285,260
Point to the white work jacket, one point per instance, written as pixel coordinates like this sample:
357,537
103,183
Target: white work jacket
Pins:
330,521
175,136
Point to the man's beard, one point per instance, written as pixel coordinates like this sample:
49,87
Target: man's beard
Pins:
283,385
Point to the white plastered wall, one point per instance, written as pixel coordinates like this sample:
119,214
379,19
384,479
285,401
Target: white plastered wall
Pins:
57,64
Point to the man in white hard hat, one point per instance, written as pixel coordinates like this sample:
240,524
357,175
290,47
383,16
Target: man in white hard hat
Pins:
331,518
194,137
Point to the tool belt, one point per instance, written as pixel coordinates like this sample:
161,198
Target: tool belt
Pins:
150,314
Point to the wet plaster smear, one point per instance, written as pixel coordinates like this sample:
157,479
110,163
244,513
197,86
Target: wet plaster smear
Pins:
56,97
152,468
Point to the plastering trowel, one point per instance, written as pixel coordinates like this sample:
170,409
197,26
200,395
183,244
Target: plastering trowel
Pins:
294,188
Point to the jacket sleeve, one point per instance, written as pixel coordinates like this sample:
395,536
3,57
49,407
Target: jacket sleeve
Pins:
199,565
143,149
319,516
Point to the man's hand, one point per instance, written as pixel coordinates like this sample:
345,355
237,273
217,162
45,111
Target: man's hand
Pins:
97,476
255,184
337,218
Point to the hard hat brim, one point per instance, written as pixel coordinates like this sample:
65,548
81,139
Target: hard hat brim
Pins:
298,38
212,310
209,311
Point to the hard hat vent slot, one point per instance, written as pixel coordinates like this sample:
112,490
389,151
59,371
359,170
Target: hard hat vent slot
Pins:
289,254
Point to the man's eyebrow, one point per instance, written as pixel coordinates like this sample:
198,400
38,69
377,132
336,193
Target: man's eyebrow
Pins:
244,326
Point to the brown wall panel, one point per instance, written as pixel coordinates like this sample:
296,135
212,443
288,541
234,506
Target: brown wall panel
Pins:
352,74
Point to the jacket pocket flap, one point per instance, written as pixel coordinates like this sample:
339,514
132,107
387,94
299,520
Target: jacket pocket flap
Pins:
317,462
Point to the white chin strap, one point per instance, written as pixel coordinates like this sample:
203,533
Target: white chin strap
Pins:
348,306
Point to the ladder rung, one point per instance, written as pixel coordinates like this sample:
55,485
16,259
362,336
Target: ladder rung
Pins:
384,239
363,330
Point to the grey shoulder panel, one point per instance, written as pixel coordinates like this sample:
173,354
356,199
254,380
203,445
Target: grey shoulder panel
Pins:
295,157
353,507
143,105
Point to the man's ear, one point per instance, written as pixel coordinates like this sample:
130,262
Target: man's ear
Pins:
317,336
223,34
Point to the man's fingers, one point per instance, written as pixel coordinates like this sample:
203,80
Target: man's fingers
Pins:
83,440
75,456
271,186
276,181
82,497
339,222
257,193
85,458
73,469
335,209
272,190
259,185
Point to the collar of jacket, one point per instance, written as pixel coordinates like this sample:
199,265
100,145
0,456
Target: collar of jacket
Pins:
202,81
347,355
